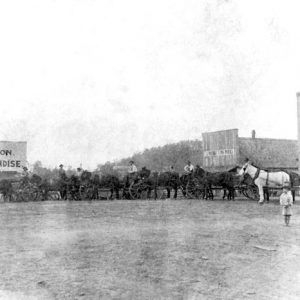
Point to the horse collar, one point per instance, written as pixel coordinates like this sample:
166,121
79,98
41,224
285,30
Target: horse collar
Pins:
256,174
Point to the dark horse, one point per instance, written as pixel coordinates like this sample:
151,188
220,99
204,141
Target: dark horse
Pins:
169,181
111,182
6,189
152,181
208,180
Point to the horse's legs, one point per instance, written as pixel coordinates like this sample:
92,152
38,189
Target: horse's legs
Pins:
175,192
184,191
148,192
168,192
233,193
225,194
266,194
293,194
261,194
155,192
117,193
111,193
210,193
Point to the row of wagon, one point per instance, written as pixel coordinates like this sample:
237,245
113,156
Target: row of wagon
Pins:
136,190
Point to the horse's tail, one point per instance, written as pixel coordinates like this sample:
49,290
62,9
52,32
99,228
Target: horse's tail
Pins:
294,181
294,178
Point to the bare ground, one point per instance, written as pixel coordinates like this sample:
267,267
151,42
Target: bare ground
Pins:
148,250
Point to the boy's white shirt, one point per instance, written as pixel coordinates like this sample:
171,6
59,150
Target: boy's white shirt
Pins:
286,199
132,169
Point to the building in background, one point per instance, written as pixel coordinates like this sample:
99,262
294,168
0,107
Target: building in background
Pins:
13,157
223,150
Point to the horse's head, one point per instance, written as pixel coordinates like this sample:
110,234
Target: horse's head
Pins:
35,179
96,179
85,176
244,169
199,172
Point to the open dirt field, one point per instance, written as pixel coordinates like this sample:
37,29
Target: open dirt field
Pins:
148,250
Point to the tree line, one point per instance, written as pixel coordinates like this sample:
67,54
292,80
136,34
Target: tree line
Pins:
156,159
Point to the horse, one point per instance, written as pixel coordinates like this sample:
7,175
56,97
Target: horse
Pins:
263,178
224,179
95,182
205,181
73,187
151,181
111,182
168,180
87,188
50,189
6,189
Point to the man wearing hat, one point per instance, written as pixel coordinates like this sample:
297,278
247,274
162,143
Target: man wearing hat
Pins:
25,172
286,201
132,167
61,172
79,172
25,177
189,168
132,172
62,182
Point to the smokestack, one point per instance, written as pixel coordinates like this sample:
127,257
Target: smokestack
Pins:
253,133
298,119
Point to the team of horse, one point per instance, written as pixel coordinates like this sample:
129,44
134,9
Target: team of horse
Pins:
198,184
264,179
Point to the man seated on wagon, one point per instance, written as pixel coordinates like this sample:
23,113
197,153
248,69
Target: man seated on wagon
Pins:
188,171
62,182
61,172
79,172
189,168
25,176
132,172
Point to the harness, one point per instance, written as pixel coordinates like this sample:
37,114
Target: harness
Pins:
257,174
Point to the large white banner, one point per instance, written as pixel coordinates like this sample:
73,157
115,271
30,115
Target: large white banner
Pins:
13,156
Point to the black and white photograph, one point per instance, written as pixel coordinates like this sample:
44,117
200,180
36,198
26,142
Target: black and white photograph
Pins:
150,149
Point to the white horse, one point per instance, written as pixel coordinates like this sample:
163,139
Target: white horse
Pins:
264,178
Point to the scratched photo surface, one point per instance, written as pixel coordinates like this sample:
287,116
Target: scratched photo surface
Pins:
144,146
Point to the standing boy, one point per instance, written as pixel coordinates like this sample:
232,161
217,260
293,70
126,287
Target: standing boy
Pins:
286,201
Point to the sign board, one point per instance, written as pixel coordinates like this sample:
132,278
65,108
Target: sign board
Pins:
220,152
13,156
220,149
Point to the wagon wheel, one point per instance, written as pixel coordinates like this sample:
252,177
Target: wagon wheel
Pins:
83,193
89,193
193,189
190,189
161,193
27,194
37,195
135,191
251,192
13,197
53,195
74,194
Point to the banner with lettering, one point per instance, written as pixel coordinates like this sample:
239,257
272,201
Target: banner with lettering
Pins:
13,156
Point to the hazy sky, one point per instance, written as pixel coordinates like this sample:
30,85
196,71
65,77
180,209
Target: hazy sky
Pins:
89,81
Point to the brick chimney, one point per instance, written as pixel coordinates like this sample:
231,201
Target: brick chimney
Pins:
298,120
253,133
